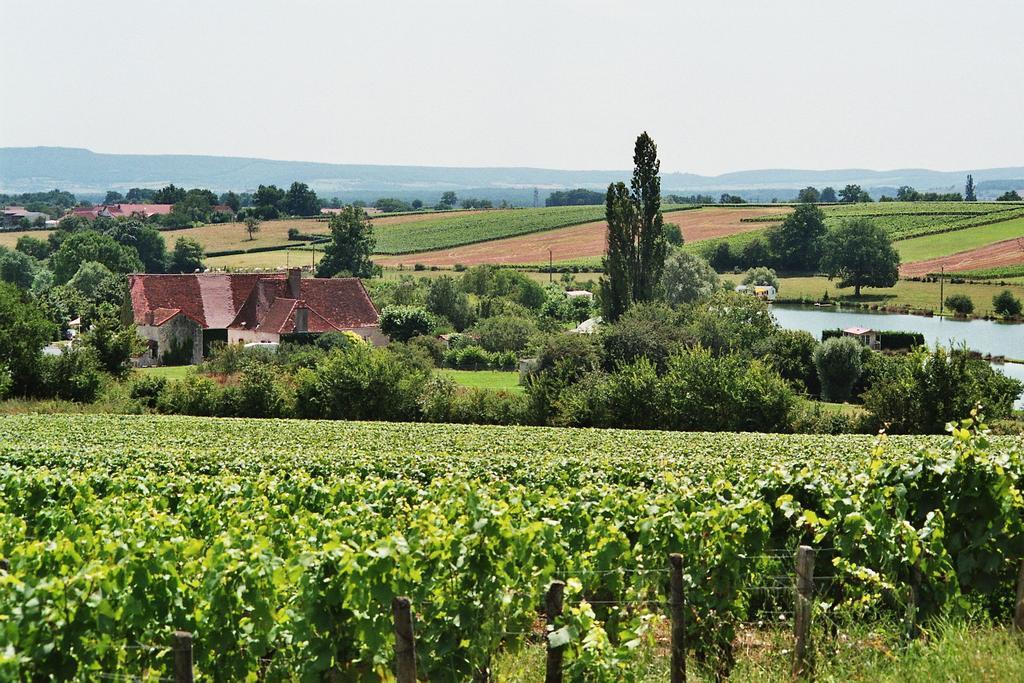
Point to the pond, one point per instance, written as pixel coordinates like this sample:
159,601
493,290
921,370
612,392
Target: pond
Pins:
986,336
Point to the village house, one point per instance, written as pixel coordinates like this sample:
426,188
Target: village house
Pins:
181,315
865,335
13,215
122,210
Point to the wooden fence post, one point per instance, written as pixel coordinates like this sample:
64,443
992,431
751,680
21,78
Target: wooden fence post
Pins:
405,641
678,619
802,610
553,610
182,657
1018,612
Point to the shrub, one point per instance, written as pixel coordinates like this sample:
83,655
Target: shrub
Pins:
193,395
505,333
1006,304
651,331
688,278
259,393
402,323
146,389
961,304
74,375
761,276
838,362
791,354
443,400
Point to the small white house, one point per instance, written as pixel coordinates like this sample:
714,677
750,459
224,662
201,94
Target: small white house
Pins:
579,293
764,292
866,336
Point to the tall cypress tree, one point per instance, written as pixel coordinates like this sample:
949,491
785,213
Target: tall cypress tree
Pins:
636,238
969,195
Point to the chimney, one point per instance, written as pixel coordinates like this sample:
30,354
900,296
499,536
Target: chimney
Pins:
301,318
294,282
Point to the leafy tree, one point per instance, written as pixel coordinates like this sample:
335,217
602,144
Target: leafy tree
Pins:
269,196
97,285
791,354
808,195
445,299
92,246
730,322
969,195
113,197
115,342
350,247
961,304
762,277
390,205
907,194
720,257
252,225
187,256
727,198
860,254
301,201
651,330
853,194
416,204
577,197
828,196
17,268
140,195
505,333
231,200
795,243
755,253
636,252
448,199
24,331
673,235
688,278
169,195
1009,196
838,362
144,239
402,323
196,206
31,246
1006,304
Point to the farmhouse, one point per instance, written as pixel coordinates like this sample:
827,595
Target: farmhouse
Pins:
181,315
123,210
15,214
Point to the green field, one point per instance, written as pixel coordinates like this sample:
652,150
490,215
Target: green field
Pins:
168,371
281,544
932,246
485,379
919,295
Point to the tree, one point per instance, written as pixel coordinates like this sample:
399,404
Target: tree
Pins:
860,254
673,235
187,256
448,199
390,205
402,323
828,196
577,197
268,200
24,331
113,197
115,342
301,201
252,225
351,245
761,277
853,194
144,239
808,195
140,195
97,285
838,361
688,278
727,198
1009,196
635,259
31,246
231,200
416,204
17,268
795,243
1006,304
961,304
907,194
969,195
92,246
505,333
169,195
445,299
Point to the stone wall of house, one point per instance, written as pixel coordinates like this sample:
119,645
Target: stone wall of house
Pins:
162,339
372,335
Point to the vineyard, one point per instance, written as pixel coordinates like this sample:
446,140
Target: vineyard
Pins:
458,229
281,544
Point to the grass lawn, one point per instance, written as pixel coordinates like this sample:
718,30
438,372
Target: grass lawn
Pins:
9,238
224,236
944,244
265,260
168,371
485,379
906,292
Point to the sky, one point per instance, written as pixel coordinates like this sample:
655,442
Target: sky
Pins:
724,85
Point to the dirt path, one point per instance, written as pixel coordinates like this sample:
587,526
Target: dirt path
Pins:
583,241
995,255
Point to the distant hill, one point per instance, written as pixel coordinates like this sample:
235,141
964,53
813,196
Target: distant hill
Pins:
86,173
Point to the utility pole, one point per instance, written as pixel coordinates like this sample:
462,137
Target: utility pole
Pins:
551,267
536,198
942,279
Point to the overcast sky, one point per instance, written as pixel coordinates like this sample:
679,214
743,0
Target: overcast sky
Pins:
722,86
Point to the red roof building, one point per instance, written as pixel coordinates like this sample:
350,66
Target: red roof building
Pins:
123,210
180,315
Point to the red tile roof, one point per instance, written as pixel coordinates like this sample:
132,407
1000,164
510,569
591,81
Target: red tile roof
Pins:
252,301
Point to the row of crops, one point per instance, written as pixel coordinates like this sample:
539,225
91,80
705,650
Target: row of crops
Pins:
280,545
455,230
909,224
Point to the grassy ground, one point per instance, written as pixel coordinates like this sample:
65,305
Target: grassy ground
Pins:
932,246
923,295
950,653
170,371
9,238
485,379
225,236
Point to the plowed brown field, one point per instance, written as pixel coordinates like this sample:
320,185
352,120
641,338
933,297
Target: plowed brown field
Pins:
995,255
583,241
